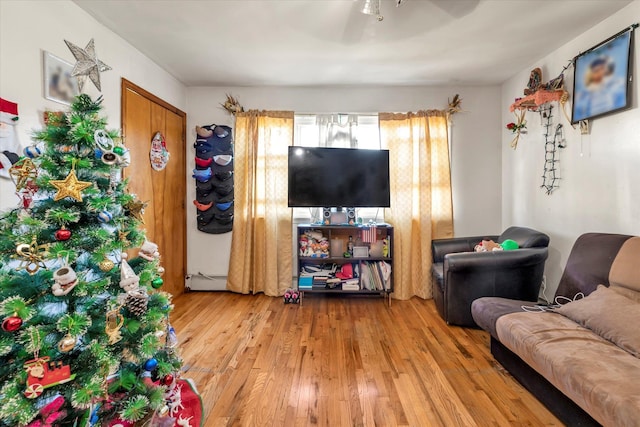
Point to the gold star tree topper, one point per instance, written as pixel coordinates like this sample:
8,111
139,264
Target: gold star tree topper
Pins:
69,187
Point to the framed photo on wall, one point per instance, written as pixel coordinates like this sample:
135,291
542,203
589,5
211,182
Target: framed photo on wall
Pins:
59,85
602,78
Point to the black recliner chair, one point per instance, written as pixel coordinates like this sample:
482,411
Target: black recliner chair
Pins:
461,275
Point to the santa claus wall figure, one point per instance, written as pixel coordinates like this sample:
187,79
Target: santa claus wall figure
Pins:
9,144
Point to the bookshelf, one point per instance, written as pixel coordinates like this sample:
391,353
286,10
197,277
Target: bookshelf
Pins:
324,268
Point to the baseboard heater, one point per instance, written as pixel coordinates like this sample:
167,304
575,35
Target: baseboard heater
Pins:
205,282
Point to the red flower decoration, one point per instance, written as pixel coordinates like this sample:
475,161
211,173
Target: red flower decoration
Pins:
511,126
50,413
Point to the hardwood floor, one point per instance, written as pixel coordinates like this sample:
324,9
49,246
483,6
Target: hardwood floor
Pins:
340,361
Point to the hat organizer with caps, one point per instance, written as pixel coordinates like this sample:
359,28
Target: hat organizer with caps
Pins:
213,174
9,145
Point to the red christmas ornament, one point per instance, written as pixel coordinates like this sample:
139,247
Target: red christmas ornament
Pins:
167,379
62,234
43,374
11,324
26,199
27,193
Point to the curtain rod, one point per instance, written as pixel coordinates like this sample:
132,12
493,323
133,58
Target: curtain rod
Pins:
368,113
629,28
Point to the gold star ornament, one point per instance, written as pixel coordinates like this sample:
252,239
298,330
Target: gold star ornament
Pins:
69,187
122,235
136,209
22,172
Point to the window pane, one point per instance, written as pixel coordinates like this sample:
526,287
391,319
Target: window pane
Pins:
310,129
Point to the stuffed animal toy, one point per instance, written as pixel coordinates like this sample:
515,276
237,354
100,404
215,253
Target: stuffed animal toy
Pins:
316,246
324,246
304,246
487,246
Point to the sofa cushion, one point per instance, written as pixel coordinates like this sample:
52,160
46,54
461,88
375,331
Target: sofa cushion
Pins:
629,293
589,263
609,314
624,270
598,376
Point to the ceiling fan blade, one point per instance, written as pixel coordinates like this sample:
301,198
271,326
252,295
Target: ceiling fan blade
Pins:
458,8
355,24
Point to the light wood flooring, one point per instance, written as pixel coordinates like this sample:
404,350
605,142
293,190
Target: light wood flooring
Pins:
343,361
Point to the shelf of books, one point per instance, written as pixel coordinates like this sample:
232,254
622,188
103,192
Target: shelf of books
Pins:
345,259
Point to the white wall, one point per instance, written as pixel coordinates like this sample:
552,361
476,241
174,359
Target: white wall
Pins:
476,147
29,27
599,189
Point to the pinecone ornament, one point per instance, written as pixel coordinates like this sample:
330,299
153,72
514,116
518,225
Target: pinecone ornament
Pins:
137,301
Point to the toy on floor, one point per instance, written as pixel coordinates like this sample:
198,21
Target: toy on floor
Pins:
291,296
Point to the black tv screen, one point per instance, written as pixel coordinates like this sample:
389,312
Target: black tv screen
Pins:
338,177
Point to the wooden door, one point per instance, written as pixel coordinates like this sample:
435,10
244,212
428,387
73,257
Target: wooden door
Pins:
144,114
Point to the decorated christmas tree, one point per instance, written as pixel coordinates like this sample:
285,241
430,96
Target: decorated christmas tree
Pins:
85,338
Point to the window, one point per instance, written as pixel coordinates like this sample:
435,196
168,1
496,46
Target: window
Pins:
337,131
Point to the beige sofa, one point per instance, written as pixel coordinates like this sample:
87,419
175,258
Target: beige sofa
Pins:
587,349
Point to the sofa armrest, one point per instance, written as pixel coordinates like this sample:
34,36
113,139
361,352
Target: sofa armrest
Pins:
487,310
442,247
497,260
508,274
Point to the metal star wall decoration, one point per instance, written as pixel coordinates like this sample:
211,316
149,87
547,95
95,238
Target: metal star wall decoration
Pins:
88,65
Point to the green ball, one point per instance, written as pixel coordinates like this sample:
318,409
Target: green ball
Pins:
118,150
509,245
157,282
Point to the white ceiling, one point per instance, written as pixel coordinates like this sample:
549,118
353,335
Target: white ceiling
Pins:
329,42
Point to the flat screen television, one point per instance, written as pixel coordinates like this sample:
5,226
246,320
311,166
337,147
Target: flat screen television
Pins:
338,177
